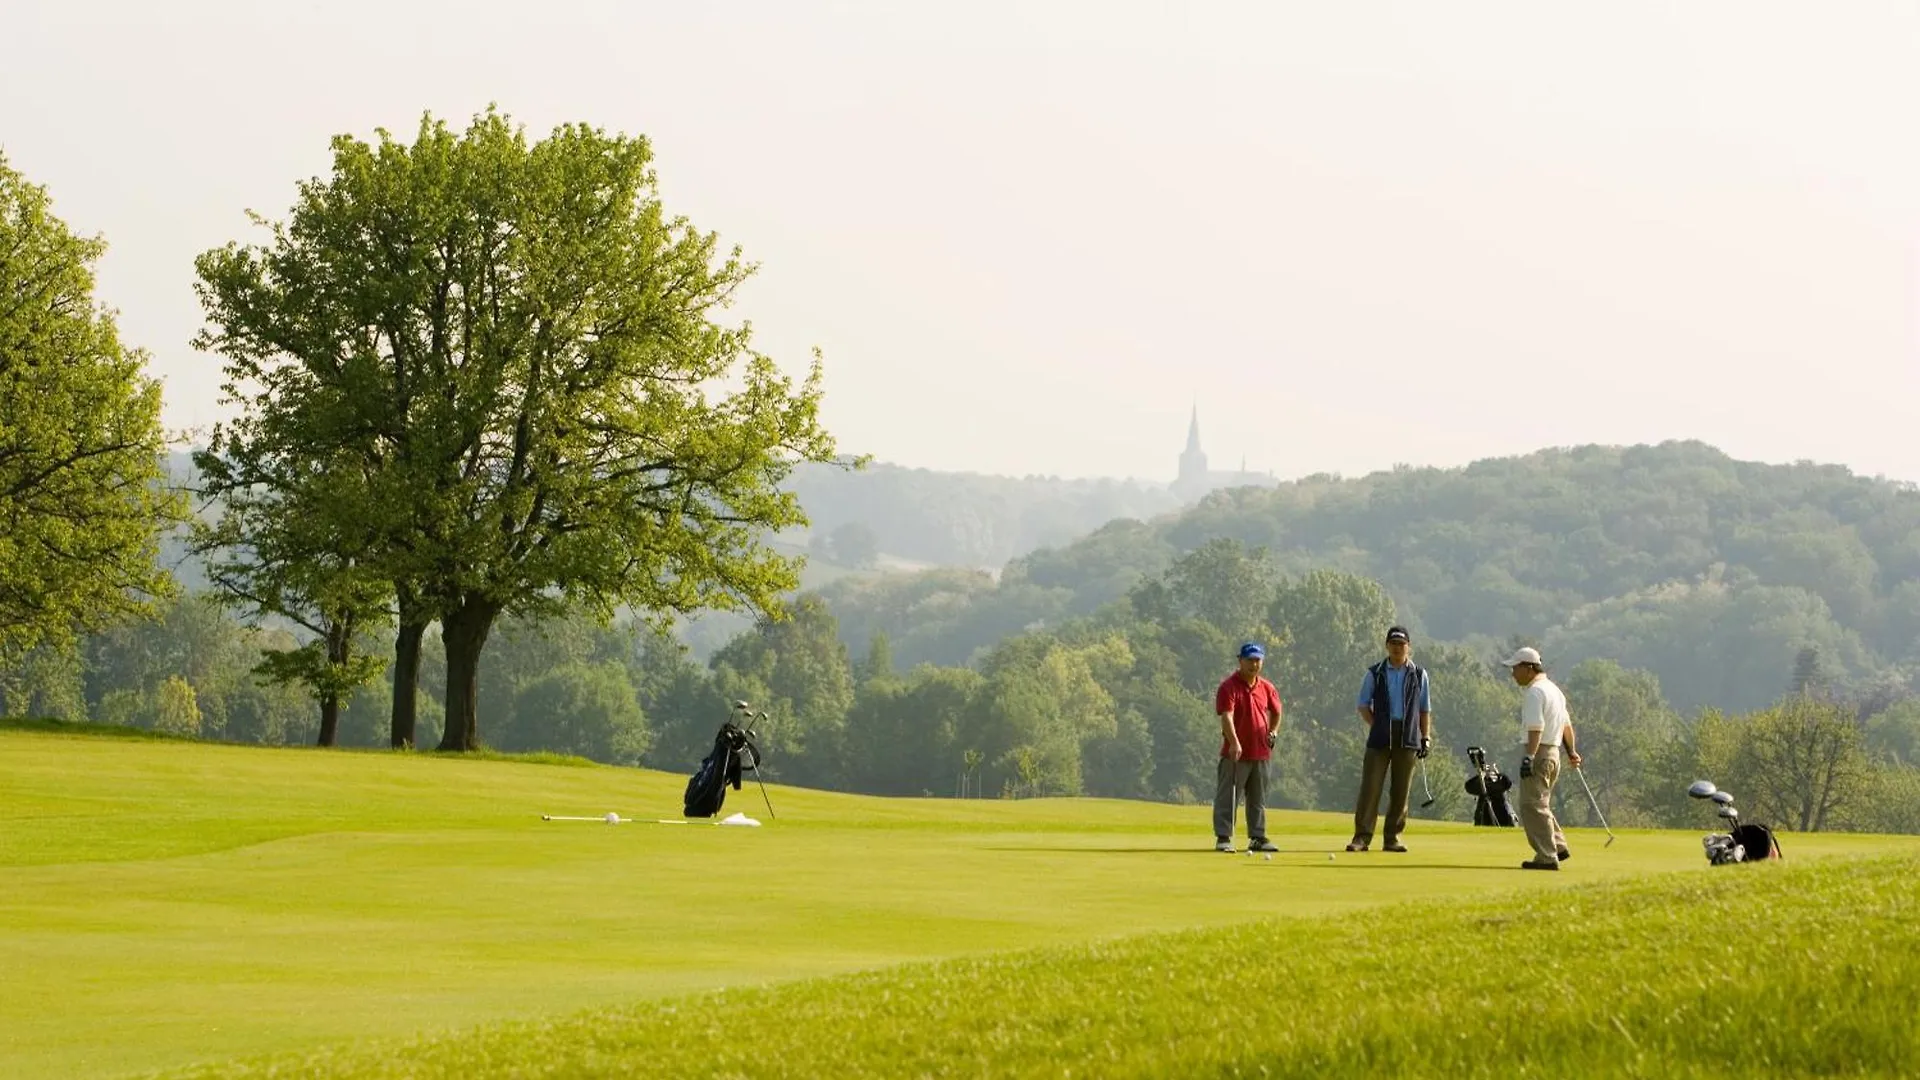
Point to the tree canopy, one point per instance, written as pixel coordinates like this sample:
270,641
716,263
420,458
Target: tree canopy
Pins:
517,346
83,502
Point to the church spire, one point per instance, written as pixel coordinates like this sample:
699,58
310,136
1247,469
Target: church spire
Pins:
1193,429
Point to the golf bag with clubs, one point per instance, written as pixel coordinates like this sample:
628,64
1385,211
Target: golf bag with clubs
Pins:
734,754
1489,787
1747,842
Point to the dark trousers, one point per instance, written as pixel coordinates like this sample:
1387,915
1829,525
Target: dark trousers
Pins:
1396,759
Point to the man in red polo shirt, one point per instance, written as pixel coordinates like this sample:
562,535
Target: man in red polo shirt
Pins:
1249,711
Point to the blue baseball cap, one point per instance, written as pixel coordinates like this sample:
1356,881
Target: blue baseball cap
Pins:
1252,650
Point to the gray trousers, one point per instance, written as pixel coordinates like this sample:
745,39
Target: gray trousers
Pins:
1249,778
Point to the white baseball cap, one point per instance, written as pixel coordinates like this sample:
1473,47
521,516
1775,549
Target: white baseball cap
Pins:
1525,655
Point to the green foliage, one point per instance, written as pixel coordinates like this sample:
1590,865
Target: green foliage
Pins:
83,505
1621,722
516,343
175,711
797,670
1708,572
1801,764
588,710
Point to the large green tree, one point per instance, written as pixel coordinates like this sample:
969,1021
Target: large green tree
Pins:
522,345
83,503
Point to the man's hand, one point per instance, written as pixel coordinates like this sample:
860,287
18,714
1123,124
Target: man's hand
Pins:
1233,750
1271,736
1573,757
1426,744
1526,767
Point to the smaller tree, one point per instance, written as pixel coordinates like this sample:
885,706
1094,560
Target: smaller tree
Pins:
1802,762
856,545
288,543
176,711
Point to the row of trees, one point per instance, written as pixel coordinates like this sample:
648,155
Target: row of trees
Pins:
1115,705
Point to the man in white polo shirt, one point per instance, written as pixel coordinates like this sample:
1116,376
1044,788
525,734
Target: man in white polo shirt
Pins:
1547,728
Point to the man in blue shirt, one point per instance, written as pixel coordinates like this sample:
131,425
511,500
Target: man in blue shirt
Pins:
1395,705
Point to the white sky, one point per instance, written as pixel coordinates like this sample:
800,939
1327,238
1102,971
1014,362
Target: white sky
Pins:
1029,236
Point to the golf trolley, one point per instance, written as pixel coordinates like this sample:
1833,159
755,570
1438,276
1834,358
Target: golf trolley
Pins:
1742,843
734,754
1490,787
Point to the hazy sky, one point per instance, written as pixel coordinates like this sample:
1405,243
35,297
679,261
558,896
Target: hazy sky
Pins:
1030,236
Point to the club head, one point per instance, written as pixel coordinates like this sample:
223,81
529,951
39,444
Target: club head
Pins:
1724,798
1729,813
1701,789
741,706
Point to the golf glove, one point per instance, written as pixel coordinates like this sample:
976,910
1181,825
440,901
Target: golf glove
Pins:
1425,745
1526,767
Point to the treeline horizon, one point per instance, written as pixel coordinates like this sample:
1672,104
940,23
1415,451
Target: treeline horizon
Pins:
1116,705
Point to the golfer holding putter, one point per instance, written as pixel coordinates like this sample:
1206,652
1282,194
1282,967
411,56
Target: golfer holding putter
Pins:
1546,725
1395,705
1249,711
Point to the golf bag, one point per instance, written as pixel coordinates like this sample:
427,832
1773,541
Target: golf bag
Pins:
1489,787
1746,843
734,754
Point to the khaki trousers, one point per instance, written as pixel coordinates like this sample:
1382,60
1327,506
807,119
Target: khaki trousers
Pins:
1374,769
1536,807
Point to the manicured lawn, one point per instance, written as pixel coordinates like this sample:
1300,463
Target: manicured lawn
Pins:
164,903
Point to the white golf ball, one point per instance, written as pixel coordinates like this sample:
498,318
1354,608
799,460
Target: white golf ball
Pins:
613,818
1268,857
1329,856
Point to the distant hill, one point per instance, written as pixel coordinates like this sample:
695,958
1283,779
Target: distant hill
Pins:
1711,572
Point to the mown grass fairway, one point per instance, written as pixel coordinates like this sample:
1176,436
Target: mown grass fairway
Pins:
164,903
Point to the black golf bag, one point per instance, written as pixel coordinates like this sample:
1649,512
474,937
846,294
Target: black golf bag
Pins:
734,754
1489,787
1746,843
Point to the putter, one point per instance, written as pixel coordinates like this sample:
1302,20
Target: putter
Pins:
1426,784
1581,773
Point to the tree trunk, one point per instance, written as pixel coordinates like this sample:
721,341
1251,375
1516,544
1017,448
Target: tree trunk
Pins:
406,682
329,719
464,633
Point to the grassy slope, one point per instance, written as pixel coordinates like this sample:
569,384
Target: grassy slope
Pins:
164,902
1806,968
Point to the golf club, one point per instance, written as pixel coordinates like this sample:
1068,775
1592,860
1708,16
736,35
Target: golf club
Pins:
615,819
754,719
1582,774
1701,789
1425,784
1233,782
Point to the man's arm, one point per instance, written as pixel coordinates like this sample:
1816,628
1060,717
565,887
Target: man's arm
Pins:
1567,740
1426,708
1226,732
1533,719
1364,703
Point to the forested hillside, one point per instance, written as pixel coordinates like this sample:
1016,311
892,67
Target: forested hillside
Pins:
1709,572
1708,617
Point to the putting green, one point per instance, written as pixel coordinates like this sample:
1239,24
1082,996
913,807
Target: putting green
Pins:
163,902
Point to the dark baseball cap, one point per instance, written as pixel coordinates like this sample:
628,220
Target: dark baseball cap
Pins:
1399,633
